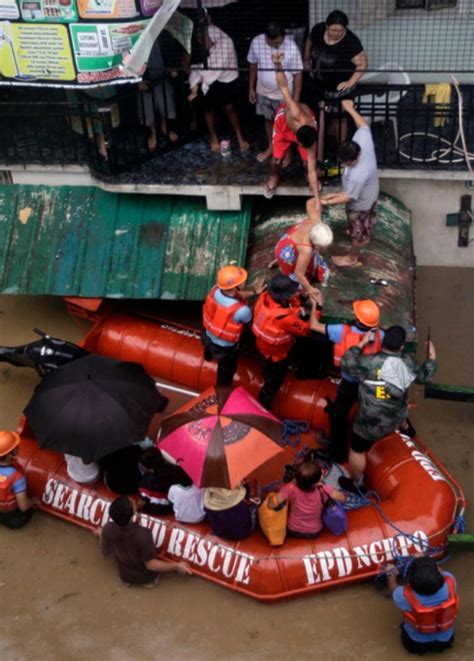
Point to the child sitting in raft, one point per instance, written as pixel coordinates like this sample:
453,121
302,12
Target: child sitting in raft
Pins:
231,514
305,500
188,503
157,477
429,603
82,471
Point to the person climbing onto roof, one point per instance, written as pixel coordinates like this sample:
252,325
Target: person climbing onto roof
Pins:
344,336
384,380
224,317
295,124
133,547
16,509
305,498
277,322
360,182
297,253
430,604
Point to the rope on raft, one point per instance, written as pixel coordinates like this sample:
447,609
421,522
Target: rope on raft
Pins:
402,563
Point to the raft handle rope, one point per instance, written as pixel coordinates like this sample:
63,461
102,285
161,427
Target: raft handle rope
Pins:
292,430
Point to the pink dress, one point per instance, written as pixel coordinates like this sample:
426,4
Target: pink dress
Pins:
305,508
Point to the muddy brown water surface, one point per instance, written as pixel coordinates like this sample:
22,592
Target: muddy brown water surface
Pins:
62,600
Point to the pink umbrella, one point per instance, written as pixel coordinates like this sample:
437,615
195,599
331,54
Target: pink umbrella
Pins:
221,436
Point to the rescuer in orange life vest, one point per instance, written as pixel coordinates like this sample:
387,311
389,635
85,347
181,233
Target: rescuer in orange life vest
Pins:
224,317
15,506
277,322
429,602
344,336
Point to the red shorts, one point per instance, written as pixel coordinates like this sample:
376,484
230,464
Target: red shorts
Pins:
283,137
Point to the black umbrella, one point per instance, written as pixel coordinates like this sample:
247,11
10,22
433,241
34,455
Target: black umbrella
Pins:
92,406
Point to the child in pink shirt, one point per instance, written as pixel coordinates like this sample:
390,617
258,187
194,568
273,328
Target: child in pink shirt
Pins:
305,500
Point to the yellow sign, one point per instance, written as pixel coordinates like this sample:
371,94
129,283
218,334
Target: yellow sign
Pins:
31,51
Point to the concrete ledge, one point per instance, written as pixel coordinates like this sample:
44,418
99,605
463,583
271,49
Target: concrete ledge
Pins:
218,197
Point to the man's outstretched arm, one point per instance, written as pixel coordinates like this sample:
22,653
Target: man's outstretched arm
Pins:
282,82
349,107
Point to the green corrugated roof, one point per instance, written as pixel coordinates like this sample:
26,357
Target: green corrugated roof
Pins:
82,241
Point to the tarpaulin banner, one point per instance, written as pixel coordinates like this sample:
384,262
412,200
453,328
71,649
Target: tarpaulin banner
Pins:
69,43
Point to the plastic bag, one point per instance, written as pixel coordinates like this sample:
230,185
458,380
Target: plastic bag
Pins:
334,515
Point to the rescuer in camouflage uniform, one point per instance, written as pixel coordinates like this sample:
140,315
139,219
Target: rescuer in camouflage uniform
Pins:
384,379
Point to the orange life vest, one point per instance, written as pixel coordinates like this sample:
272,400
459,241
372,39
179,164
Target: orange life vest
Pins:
264,326
7,497
432,619
349,339
219,320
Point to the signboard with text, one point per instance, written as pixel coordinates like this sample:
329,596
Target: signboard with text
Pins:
65,43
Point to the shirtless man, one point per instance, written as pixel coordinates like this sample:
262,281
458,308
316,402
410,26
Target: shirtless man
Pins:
294,123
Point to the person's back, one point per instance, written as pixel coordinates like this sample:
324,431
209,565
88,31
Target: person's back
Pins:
430,603
82,471
360,180
188,503
385,378
132,547
306,498
228,513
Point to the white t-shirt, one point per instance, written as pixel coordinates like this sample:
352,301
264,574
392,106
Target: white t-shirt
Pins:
260,53
80,472
188,503
361,181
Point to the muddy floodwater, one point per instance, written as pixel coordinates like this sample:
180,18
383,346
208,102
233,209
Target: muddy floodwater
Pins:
62,600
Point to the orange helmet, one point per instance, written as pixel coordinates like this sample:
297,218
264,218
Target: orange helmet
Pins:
8,442
367,312
229,277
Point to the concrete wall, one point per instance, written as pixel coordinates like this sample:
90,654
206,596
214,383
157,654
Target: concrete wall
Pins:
53,177
430,201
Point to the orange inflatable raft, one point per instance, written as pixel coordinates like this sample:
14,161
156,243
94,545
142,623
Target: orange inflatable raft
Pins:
417,494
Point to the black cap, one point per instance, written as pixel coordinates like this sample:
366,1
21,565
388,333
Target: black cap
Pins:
282,287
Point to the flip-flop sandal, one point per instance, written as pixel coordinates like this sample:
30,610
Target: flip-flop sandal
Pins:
268,193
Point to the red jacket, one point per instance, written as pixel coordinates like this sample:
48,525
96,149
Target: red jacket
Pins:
276,326
351,339
432,619
218,319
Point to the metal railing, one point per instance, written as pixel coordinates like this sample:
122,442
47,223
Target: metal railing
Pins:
110,136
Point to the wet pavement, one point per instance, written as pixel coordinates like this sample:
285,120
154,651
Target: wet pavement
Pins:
62,600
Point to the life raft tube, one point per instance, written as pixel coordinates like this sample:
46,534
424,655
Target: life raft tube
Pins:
174,353
417,495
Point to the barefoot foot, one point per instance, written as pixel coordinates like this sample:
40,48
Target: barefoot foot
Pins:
263,155
270,187
345,260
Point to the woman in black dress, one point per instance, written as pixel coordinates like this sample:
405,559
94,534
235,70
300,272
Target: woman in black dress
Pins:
336,60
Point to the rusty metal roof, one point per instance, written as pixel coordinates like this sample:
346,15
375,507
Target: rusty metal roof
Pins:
82,241
389,256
